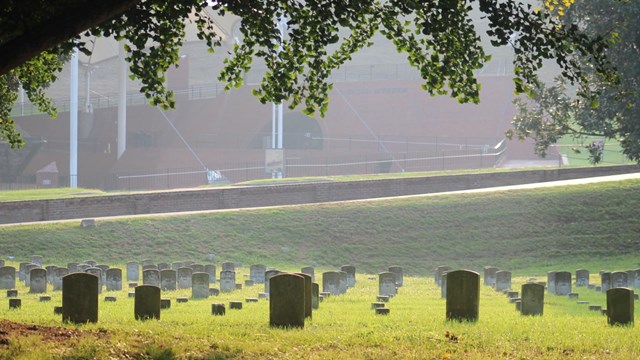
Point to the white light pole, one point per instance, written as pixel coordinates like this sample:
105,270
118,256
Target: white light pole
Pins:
122,102
73,122
277,127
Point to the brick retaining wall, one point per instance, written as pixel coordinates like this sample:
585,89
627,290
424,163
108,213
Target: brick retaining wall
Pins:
272,195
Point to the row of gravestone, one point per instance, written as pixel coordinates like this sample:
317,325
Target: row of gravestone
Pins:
388,284
162,275
151,273
292,299
337,282
620,299
168,279
620,303
461,291
618,279
500,280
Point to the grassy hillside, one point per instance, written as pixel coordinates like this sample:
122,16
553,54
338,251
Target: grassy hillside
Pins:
590,225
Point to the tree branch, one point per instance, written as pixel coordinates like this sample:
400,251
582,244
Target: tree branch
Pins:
59,27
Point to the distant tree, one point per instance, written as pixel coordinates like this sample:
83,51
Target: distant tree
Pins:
438,36
612,109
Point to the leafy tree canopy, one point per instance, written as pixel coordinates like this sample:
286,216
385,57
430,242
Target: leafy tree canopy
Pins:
438,37
613,110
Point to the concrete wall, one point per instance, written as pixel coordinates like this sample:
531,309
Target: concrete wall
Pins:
256,196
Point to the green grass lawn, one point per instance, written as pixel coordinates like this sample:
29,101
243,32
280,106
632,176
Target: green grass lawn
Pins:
612,152
41,194
529,232
344,327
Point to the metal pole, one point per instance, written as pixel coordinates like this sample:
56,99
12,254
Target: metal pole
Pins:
282,25
21,100
274,110
280,127
122,102
273,125
73,122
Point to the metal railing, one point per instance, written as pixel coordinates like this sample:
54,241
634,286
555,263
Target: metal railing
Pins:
373,163
347,73
195,92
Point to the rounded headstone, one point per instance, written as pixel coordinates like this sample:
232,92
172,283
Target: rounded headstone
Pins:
463,295
7,277
168,280
331,282
605,281
80,298
490,275
532,299
114,279
256,273
309,270
582,277
151,277
351,274
147,302
268,275
133,271
228,266
98,273
619,279
37,260
620,306
315,293
227,281
503,280
551,281
387,284
184,277
308,298
287,300
56,280
563,283
399,274
200,285
438,274
211,270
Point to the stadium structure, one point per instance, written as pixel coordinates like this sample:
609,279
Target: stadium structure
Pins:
379,121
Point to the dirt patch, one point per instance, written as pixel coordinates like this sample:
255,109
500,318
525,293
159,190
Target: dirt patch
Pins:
9,329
